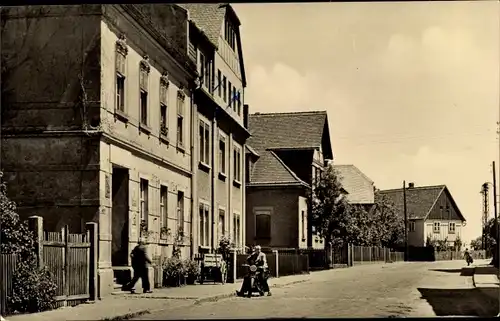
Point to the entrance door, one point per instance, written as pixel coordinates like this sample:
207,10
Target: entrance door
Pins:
120,217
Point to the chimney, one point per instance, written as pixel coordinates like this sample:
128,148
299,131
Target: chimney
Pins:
245,115
411,185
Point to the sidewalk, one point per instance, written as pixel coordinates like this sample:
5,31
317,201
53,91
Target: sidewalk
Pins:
485,279
125,305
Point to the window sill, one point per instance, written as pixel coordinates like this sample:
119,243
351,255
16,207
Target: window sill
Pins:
181,148
222,176
436,232
236,183
204,166
145,128
163,241
164,138
450,232
303,240
121,115
204,247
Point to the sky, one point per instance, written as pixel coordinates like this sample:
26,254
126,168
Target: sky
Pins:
411,88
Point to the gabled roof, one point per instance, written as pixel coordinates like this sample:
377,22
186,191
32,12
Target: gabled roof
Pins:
208,18
419,200
275,173
282,131
356,183
287,130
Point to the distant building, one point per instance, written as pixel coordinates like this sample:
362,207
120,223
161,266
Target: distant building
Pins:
359,187
286,156
432,213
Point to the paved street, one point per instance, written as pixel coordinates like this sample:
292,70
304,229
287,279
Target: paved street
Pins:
367,291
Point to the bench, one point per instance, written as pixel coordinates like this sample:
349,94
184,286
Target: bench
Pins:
211,263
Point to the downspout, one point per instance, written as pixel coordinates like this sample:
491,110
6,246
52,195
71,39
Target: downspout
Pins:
212,156
193,173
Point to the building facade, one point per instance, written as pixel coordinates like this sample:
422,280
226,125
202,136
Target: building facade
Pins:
220,113
433,214
98,124
359,187
286,156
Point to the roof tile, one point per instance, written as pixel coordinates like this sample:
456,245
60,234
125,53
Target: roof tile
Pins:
419,200
208,17
357,184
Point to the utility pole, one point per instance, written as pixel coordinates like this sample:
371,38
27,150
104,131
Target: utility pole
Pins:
406,222
486,211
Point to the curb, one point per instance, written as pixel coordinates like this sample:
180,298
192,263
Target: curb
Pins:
213,298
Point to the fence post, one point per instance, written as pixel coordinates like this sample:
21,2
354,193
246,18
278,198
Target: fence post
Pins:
370,250
35,224
275,252
348,254
361,253
65,231
385,261
91,228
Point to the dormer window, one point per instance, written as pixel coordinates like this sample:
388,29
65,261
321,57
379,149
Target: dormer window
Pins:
206,72
230,34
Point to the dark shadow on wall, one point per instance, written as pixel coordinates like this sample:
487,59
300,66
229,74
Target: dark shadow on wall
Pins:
477,302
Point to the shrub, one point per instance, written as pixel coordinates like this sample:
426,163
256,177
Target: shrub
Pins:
34,289
173,269
192,268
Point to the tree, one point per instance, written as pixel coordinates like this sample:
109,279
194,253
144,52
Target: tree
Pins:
34,289
458,244
388,223
330,210
477,244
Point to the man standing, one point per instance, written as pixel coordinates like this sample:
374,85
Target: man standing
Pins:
140,264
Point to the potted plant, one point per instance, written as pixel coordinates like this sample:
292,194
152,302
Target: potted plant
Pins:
172,271
192,271
164,233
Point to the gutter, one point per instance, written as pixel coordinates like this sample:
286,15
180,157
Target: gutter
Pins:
193,175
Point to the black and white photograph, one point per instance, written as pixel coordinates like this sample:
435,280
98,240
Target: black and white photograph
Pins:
249,160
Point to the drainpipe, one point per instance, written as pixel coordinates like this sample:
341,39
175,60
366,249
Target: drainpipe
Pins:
193,120
212,156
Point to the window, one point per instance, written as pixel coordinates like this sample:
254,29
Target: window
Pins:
263,225
204,142
180,212
237,164
236,229
121,61
144,202
180,118
239,103
303,224
230,34
204,224
143,86
163,107
452,227
219,84
222,223
164,206
411,226
234,99
230,94
222,154
224,88
206,72
437,227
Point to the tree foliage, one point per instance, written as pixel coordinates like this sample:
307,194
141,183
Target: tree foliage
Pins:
338,221
477,244
34,289
329,209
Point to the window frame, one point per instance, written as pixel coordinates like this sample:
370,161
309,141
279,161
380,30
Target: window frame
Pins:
163,98
144,202
259,231
222,155
436,228
204,142
181,97
144,70
411,226
180,209
450,230
237,164
221,224
204,224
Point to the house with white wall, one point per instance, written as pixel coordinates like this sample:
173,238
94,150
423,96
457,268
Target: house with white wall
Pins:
432,213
